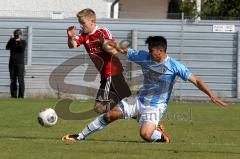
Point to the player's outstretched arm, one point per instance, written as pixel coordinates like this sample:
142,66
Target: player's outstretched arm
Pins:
112,47
200,84
70,33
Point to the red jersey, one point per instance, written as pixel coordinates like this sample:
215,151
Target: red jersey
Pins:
106,63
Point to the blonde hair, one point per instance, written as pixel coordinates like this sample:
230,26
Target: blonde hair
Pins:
87,13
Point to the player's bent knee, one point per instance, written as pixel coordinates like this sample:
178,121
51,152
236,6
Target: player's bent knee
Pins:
107,117
110,116
146,136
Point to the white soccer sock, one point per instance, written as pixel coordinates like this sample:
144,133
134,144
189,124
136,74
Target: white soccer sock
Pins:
156,135
95,125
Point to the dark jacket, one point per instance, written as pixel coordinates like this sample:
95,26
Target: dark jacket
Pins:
17,49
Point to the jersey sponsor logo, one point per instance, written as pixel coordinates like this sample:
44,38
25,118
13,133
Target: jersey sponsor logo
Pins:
95,47
159,69
163,69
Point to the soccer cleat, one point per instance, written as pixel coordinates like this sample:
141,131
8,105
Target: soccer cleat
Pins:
70,137
164,136
161,127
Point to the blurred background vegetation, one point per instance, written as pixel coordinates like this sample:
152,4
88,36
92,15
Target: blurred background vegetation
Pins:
216,9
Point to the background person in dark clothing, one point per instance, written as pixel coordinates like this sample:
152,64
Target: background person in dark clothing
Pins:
16,63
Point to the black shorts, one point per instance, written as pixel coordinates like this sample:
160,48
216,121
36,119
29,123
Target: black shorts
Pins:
113,89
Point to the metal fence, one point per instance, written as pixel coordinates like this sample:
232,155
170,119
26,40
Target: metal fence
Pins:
211,54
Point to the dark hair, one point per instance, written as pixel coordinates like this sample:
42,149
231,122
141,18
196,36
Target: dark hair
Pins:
17,32
157,41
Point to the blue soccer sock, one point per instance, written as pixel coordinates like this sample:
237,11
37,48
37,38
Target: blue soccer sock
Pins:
97,124
156,135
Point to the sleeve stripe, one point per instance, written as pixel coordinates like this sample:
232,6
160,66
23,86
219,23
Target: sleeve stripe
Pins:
108,33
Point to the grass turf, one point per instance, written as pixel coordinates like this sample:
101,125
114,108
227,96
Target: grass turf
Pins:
197,131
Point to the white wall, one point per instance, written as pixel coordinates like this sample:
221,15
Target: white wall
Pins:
44,8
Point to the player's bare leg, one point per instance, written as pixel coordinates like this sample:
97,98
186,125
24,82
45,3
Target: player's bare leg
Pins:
102,107
99,123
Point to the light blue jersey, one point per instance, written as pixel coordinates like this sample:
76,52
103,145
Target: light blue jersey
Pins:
159,78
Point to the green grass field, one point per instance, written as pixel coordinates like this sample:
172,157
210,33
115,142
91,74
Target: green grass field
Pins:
197,131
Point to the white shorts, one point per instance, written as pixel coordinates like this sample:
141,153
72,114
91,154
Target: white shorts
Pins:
133,108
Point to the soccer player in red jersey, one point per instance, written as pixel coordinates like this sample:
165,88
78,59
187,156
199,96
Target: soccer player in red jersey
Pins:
113,86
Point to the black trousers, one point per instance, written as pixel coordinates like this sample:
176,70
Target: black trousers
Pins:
17,74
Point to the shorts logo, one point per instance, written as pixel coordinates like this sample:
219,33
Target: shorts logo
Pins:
130,100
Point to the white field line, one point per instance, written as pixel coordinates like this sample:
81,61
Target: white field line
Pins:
121,142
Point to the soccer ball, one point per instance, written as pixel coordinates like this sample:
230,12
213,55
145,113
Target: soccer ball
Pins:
47,117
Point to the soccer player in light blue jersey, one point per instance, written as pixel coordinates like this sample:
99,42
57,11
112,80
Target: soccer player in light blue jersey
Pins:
159,71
